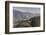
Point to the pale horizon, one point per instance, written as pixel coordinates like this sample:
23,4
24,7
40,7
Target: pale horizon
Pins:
27,9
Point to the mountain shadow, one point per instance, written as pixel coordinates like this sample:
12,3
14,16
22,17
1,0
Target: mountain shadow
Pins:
35,21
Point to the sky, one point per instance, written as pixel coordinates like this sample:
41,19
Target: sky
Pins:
27,9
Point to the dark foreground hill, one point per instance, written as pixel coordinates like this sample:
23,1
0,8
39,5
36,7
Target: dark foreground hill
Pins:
32,22
35,21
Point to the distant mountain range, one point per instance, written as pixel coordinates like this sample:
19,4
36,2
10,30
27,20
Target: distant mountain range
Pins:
23,15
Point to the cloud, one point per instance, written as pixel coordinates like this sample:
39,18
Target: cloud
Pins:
27,9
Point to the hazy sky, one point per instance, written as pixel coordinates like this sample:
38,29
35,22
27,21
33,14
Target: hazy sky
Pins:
27,9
